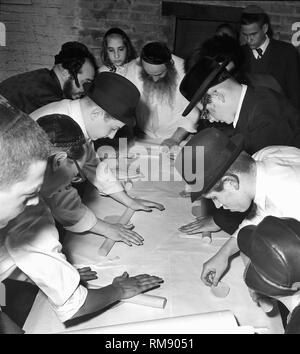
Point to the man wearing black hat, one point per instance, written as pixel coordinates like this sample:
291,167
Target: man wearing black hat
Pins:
32,249
276,240
268,61
262,116
232,179
74,66
157,74
110,104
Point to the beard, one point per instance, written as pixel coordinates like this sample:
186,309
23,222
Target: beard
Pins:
163,89
69,92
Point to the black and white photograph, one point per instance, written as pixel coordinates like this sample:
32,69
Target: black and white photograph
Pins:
150,170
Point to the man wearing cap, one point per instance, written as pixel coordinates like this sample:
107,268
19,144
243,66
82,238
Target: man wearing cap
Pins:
232,179
73,67
278,241
267,59
157,74
262,116
32,249
109,104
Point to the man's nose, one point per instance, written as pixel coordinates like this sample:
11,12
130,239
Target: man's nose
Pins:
112,134
33,201
155,78
217,204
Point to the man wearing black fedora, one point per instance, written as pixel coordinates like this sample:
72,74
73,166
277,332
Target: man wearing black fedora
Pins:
232,179
109,104
157,74
262,116
278,241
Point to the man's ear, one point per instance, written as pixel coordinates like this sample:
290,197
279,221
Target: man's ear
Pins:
58,160
265,28
231,181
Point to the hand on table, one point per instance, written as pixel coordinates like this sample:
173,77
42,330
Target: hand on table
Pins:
123,233
201,224
145,205
213,270
86,274
169,144
131,286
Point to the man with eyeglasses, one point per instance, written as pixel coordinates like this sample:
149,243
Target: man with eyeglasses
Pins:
157,74
32,248
262,116
109,104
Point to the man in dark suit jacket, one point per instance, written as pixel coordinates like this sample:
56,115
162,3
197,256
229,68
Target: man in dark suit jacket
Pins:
263,116
268,62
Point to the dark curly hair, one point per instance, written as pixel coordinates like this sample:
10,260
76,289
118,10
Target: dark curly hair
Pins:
130,54
72,56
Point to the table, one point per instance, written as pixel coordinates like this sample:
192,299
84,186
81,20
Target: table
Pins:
165,253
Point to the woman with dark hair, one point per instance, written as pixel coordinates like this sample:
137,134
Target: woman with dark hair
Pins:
117,51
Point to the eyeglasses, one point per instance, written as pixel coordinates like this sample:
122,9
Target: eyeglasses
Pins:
81,176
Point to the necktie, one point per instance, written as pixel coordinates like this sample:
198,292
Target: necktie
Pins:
259,52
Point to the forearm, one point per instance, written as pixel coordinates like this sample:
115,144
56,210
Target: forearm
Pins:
98,299
179,135
123,198
229,248
100,227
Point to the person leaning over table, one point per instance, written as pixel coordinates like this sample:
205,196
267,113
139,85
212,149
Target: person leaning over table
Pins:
232,179
157,74
262,116
74,66
109,105
24,150
278,241
32,250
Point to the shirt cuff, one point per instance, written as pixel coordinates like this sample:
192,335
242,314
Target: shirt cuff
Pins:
87,222
72,305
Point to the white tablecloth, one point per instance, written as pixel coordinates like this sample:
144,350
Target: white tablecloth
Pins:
165,253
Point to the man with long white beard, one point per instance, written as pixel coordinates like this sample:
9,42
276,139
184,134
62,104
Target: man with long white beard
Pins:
157,74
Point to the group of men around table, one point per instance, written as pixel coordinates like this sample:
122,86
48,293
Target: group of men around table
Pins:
252,172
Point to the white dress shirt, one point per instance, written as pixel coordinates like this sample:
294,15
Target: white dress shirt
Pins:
65,204
30,247
277,184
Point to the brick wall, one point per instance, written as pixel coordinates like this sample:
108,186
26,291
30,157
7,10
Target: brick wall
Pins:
35,32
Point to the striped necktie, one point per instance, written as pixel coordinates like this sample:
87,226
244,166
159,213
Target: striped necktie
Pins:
259,52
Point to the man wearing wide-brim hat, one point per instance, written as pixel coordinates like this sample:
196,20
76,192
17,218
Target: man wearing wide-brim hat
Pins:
270,251
262,116
232,179
110,104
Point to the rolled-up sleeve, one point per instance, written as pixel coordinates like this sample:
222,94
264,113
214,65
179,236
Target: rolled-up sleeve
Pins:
32,242
67,208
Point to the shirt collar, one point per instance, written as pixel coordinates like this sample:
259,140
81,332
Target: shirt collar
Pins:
237,114
263,47
76,112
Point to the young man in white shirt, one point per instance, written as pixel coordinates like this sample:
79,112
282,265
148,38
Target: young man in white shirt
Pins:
110,103
233,179
31,249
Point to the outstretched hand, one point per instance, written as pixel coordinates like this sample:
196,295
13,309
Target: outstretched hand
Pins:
201,224
86,274
123,233
132,286
145,205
